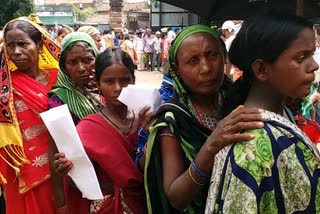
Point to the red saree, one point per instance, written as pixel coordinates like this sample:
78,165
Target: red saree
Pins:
30,191
112,155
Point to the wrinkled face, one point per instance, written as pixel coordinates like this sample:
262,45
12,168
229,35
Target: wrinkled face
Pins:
200,64
22,50
97,39
292,73
80,64
113,79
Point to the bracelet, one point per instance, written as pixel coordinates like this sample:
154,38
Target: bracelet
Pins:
199,172
194,180
62,210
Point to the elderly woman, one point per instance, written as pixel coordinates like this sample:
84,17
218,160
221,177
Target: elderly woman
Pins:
94,33
76,67
186,135
29,67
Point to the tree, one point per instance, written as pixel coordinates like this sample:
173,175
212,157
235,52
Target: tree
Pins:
11,9
83,14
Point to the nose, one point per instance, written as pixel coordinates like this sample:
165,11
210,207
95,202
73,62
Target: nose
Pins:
117,86
17,50
81,67
204,66
314,65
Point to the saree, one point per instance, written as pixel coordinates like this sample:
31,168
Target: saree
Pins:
276,172
24,169
185,124
113,160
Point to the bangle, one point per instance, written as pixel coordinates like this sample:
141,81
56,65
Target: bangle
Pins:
199,172
62,210
194,180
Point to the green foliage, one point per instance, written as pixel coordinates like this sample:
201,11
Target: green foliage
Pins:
83,14
10,9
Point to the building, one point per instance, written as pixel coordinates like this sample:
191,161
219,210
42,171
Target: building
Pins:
115,12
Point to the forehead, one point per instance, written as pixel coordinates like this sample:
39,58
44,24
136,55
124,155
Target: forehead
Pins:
305,41
116,71
196,42
78,50
17,34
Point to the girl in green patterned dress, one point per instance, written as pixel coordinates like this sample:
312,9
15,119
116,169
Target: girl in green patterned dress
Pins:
278,171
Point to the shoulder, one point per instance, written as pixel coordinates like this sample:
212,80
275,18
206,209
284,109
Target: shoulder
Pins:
54,101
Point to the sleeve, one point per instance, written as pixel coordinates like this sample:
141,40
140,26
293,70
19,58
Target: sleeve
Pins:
54,101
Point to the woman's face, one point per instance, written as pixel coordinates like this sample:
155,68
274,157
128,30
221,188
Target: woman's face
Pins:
200,64
113,79
80,64
22,50
292,74
61,36
97,39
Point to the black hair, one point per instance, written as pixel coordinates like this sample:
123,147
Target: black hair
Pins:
26,27
62,30
106,59
317,28
65,52
266,37
126,36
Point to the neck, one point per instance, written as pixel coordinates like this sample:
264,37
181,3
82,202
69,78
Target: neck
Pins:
261,96
32,72
117,111
205,103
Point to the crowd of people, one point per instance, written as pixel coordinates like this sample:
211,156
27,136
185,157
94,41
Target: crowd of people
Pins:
238,131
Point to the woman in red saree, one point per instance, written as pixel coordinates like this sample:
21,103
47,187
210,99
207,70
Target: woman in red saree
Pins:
28,68
109,138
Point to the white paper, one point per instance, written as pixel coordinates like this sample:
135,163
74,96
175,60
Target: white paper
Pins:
62,129
137,97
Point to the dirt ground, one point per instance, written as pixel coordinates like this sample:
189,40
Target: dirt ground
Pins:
149,78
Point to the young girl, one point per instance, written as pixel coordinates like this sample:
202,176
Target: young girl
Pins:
278,171
109,138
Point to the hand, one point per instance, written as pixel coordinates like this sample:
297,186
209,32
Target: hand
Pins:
229,129
315,97
92,85
146,118
61,164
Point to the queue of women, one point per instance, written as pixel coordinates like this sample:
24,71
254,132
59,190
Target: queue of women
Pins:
214,147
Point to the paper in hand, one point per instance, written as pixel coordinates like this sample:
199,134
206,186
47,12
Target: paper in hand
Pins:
137,97
62,129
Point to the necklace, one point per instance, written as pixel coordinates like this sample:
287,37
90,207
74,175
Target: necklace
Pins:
115,125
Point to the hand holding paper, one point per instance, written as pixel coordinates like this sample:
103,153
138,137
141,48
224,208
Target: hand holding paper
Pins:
62,129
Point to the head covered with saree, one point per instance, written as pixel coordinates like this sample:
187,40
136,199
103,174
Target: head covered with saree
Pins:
79,100
10,134
181,117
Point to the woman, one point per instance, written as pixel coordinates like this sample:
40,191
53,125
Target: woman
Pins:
278,172
65,30
127,46
120,180
94,33
76,67
181,147
29,70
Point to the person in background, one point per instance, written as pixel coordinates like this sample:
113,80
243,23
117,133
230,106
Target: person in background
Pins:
139,48
171,34
149,49
108,39
28,70
116,39
157,44
127,46
166,45
62,33
94,33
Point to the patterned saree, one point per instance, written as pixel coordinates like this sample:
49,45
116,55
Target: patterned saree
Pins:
277,172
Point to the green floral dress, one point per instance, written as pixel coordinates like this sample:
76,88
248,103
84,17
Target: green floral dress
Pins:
277,172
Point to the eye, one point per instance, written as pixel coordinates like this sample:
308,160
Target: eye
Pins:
72,62
300,59
88,60
193,59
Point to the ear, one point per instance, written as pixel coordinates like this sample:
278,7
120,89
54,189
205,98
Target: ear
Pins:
39,47
175,67
260,70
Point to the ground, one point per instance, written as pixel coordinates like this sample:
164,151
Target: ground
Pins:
149,78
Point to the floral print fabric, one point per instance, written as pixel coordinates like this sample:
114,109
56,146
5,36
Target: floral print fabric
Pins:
277,172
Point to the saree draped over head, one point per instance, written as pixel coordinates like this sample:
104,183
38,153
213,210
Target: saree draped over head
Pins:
112,155
23,97
276,172
180,116
80,101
